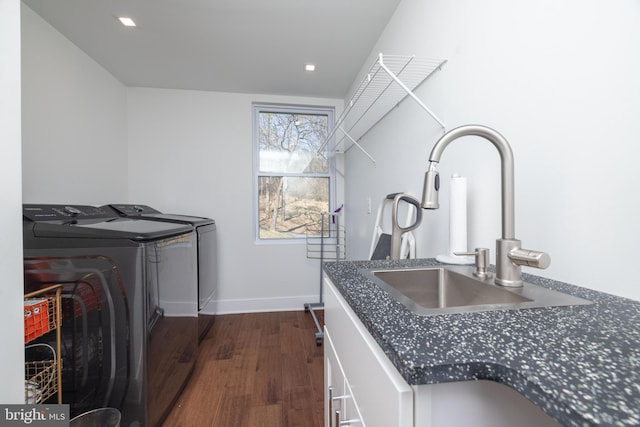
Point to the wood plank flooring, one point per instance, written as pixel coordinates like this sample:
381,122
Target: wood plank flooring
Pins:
259,369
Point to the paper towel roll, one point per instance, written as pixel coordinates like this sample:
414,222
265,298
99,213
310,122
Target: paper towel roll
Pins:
457,222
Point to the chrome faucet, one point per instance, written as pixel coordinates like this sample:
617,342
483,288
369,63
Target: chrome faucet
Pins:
509,255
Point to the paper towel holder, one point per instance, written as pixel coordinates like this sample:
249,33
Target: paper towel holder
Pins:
457,222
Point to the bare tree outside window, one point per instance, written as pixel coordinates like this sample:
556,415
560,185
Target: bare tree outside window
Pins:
293,173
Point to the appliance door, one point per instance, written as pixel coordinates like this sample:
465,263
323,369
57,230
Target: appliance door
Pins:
94,329
207,265
172,321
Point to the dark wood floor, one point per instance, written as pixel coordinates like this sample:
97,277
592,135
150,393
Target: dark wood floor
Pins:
261,370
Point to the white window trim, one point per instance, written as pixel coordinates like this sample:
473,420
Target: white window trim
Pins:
287,108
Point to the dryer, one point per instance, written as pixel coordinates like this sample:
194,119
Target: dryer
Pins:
207,250
155,318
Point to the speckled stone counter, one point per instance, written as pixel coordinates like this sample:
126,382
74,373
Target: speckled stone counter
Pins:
580,364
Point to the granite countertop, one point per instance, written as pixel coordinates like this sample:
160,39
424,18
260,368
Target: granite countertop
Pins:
580,364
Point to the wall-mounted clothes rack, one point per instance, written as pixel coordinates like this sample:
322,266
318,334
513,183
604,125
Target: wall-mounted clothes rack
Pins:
390,80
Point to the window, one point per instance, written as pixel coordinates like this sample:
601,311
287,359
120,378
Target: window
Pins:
294,172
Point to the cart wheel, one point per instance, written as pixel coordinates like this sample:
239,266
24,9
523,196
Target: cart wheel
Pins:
306,308
318,342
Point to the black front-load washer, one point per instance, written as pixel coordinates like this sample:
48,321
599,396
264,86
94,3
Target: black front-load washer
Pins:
155,314
207,242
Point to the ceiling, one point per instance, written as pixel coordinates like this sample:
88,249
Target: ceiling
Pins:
250,46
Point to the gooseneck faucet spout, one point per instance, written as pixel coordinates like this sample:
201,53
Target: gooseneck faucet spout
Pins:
509,255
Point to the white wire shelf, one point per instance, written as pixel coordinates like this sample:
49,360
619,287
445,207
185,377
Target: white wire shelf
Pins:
390,80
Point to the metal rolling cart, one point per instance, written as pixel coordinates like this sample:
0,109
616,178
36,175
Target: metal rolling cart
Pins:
42,315
326,242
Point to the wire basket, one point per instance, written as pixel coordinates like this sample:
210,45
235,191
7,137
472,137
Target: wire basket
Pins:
43,374
41,381
39,317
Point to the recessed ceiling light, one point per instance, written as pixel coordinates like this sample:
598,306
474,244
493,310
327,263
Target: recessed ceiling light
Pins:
127,22
309,67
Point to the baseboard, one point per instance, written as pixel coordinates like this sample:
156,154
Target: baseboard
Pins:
257,305
178,309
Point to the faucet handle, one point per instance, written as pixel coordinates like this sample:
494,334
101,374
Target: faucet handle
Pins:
482,261
529,258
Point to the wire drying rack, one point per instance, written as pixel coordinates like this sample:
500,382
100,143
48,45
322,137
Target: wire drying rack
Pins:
326,242
388,82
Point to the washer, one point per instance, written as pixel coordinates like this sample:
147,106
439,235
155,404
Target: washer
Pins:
94,350
207,250
158,325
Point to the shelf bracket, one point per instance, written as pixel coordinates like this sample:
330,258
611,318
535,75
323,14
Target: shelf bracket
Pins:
358,145
409,91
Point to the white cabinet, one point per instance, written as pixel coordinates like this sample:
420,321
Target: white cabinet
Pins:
363,387
377,395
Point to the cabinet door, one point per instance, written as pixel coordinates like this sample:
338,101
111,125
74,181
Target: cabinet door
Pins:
340,407
379,395
334,383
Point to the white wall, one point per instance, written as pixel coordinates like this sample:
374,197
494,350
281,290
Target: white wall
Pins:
74,121
87,139
559,81
11,326
190,152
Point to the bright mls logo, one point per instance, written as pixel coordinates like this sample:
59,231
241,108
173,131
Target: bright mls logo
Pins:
34,415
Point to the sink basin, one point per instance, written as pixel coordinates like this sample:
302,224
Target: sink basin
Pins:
454,289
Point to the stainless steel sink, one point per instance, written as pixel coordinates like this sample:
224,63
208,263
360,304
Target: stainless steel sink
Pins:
454,289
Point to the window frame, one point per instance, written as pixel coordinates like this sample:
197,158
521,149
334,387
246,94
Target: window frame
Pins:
259,107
